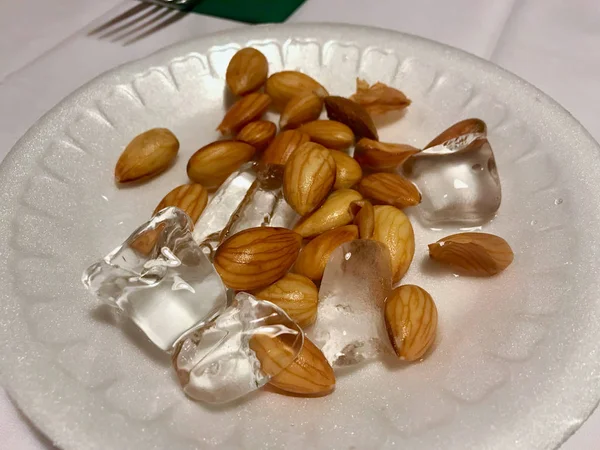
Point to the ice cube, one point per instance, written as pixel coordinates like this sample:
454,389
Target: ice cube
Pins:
160,278
350,324
238,352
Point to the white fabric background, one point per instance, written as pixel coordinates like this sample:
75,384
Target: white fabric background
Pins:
45,54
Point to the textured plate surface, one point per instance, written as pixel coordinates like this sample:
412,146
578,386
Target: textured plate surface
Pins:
516,364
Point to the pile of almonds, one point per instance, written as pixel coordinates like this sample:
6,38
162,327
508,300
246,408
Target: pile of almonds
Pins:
340,198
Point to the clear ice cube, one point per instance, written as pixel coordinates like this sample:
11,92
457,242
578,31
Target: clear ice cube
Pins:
238,352
350,326
458,177
160,278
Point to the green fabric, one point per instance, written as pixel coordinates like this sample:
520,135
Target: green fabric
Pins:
249,11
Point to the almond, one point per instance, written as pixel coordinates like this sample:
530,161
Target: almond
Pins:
390,189
411,321
381,156
296,295
213,163
329,133
191,198
258,134
347,170
467,126
364,218
247,71
393,229
147,155
379,98
313,257
300,109
283,86
256,257
352,114
284,144
145,242
308,177
476,254
335,212
245,110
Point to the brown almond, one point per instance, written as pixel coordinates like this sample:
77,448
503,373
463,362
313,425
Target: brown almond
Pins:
475,254
247,71
364,218
147,155
284,144
352,114
390,189
191,198
313,257
283,86
245,110
379,98
301,109
258,134
213,163
467,126
381,156
256,257
347,170
329,133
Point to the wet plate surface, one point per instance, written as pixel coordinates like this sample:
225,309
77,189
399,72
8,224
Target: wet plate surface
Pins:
508,347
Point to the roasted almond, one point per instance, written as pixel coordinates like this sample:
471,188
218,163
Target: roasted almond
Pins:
296,295
308,177
411,321
258,134
381,156
247,71
147,155
475,254
313,257
191,198
284,144
213,163
364,218
329,133
283,86
335,212
390,189
379,98
256,257
467,126
247,109
347,170
300,109
352,114
393,229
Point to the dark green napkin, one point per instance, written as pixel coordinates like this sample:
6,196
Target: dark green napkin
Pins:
249,11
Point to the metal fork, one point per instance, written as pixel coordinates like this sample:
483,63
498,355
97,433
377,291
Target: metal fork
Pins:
142,20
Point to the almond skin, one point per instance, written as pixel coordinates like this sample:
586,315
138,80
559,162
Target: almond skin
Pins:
300,109
390,189
213,163
283,86
258,134
247,71
347,170
314,256
308,177
284,144
352,114
467,126
245,110
379,98
296,294
381,156
256,257
411,321
191,198
364,218
474,254
147,155
329,133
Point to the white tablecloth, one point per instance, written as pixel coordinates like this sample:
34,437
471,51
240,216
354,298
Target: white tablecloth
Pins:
45,54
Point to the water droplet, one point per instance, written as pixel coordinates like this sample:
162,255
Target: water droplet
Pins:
558,201
533,222
477,167
347,256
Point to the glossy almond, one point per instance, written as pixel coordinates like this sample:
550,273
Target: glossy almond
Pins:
314,256
310,373
256,257
475,254
379,98
390,189
335,212
467,126
308,177
213,163
258,134
147,155
364,218
296,294
381,156
191,198
300,109
329,133
283,86
247,109
352,114
247,71
284,144
393,228
411,321
347,170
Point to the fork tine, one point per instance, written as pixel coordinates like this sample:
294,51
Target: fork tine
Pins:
126,25
130,12
165,23
161,14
